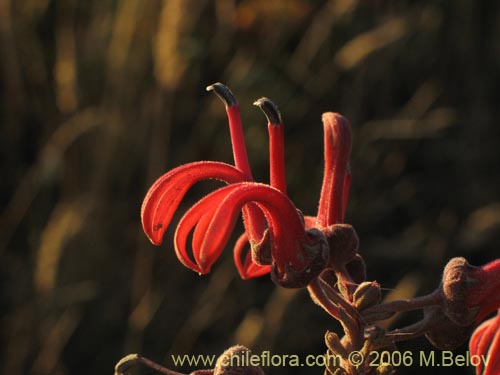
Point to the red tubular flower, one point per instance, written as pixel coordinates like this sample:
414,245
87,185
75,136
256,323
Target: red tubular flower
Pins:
297,248
165,195
470,293
213,220
485,342
337,177
484,296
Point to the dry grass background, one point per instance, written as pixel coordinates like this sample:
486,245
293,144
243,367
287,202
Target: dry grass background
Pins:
101,97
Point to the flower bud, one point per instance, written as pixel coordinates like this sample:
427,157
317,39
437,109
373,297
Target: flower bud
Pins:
367,294
343,241
357,269
455,286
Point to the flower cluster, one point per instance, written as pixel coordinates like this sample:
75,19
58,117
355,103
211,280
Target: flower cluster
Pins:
470,294
318,252
293,247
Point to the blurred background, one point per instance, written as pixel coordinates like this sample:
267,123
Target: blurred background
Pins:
101,97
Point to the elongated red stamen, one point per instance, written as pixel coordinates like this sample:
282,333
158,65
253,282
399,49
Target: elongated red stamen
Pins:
276,143
252,216
246,267
198,214
337,138
235,127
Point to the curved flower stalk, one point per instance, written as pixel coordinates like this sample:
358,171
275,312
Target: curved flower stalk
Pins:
293,247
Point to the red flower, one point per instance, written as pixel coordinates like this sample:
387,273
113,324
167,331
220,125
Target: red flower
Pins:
470,293
483,296
485,342
297,248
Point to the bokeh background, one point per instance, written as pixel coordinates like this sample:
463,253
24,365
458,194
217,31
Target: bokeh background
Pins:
100,97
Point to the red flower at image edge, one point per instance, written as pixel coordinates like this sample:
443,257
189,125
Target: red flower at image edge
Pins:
483,297
485,342
293,247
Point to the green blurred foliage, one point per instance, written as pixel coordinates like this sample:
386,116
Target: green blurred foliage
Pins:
99,98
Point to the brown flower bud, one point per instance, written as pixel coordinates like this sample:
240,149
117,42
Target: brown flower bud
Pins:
357,269
455,286
367,294
234,361
343,241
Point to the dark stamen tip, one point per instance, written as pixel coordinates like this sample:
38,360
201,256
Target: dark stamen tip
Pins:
270,110
223,92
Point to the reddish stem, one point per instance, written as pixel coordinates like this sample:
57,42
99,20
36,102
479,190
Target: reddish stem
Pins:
238,140
431,299
319,297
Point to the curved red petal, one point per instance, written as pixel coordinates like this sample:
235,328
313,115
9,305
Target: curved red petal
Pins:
485,342
198,213
239,247
476,343
477,335
199,233
165,195
493,359
284,221
188,222
247,269
256,270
